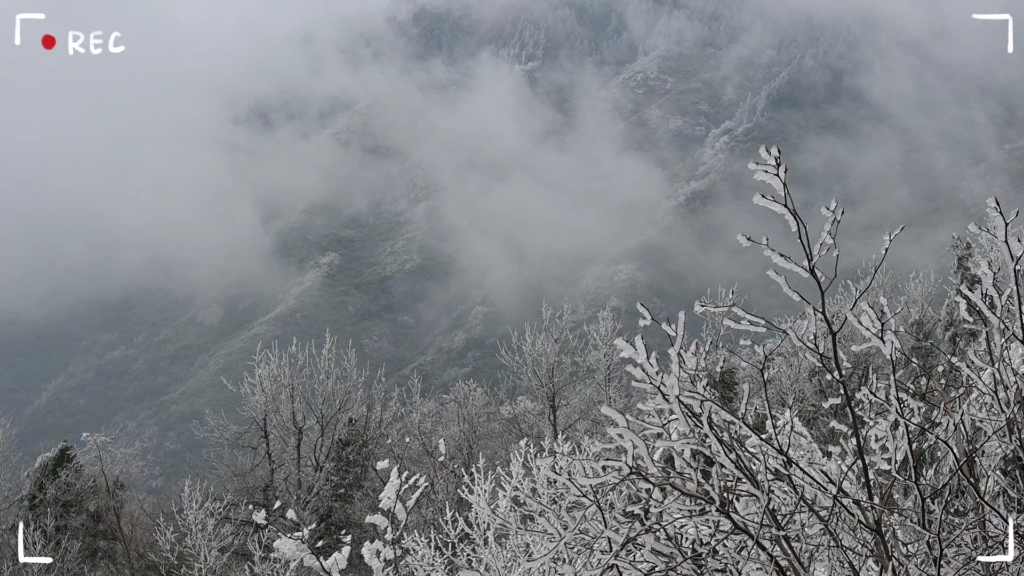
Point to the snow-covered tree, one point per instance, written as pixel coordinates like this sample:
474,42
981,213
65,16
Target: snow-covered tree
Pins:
68,504
386,554
311,423
920,471
300,407
117,463
541,365
197,538
283,544
446,435
560,371
541,514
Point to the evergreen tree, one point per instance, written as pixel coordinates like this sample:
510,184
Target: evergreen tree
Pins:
65,502
338,508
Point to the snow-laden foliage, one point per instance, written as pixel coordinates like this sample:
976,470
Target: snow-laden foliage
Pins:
297,404
310,425
293,545
916,468
559,374
541,514
281,543
400,495
918,471
877,429
194,540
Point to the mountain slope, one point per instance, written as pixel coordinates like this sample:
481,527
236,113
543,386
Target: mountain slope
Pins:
387,274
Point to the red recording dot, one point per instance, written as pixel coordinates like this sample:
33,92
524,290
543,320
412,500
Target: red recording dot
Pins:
49,42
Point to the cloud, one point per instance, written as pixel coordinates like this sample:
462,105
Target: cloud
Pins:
116,168
129,170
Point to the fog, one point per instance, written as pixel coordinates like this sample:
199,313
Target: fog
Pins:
128,171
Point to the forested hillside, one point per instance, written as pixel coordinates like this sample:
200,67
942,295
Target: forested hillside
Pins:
424,248
425,226
394,274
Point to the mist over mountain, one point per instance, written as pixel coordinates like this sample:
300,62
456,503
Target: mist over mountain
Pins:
416,176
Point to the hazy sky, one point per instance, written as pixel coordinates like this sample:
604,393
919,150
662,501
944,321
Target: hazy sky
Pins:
116,166
124,170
